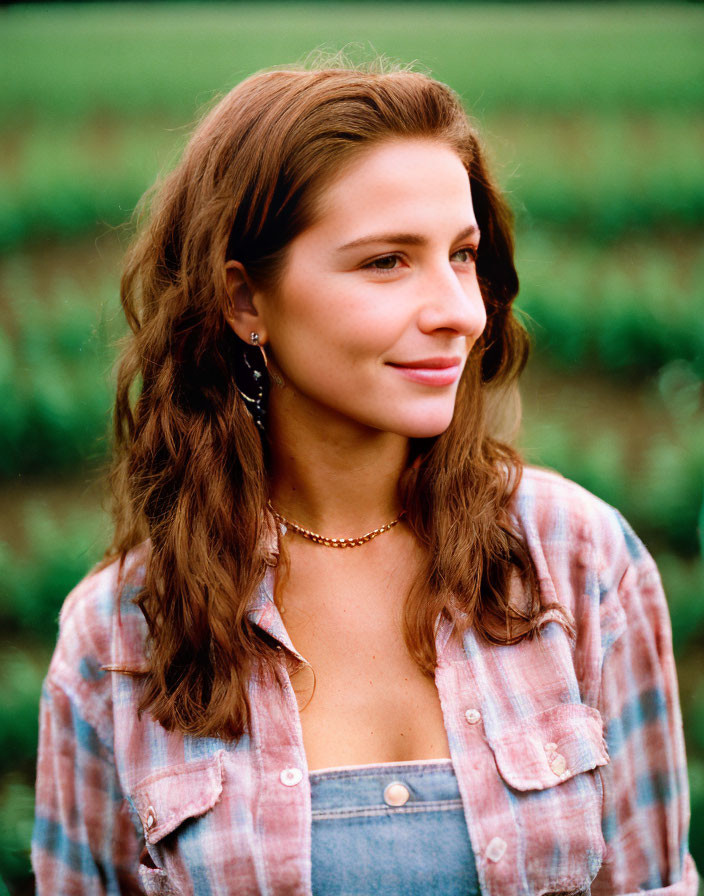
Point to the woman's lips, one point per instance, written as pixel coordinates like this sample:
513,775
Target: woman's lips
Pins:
431,371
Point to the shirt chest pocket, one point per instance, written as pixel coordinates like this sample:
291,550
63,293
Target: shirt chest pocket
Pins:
549,766
173,805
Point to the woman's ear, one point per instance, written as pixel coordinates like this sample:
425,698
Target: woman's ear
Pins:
242,314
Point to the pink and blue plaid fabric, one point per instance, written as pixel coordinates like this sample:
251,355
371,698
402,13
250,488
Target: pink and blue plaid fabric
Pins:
568,752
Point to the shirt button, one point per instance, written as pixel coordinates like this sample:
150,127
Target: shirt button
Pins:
396,794
473,716
496,849
558,764
291,776
151,818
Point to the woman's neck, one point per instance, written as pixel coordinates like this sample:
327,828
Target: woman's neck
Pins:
336,480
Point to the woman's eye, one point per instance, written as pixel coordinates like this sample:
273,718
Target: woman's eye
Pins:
385,263
466,255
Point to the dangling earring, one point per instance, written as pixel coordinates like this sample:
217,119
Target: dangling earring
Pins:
253,378
254,339
254,398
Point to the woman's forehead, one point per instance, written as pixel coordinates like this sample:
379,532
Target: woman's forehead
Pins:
422,181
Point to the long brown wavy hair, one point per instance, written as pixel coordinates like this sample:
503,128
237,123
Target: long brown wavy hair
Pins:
190,468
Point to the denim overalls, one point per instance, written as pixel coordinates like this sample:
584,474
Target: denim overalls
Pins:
397,829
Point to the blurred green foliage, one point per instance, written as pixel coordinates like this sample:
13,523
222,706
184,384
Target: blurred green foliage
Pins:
61,180
55,360
606,177
35,584
69,62
592,114
623,311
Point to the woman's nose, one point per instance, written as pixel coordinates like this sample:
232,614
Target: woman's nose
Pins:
453,301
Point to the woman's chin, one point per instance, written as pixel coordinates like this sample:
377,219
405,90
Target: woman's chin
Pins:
427,427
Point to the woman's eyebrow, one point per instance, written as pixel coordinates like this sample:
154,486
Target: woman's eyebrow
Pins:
407,239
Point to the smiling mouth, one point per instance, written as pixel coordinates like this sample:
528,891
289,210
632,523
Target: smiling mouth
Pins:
428,363
431,371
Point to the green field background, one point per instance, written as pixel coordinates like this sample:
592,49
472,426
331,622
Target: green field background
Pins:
593,117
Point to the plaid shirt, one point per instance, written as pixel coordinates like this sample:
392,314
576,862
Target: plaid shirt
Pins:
569,752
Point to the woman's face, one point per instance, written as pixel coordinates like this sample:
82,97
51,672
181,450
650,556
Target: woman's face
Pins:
379,303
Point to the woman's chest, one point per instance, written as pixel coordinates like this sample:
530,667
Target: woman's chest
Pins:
362,698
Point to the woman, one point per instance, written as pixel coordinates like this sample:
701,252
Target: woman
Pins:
343,642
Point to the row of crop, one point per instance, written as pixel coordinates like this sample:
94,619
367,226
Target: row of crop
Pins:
662,496
625,313
615,314
60,182
57,347
599,177
56,417
625,310
68,62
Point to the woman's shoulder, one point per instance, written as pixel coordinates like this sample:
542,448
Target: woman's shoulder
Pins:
583,549
99,625
560,513
589,561
545,492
